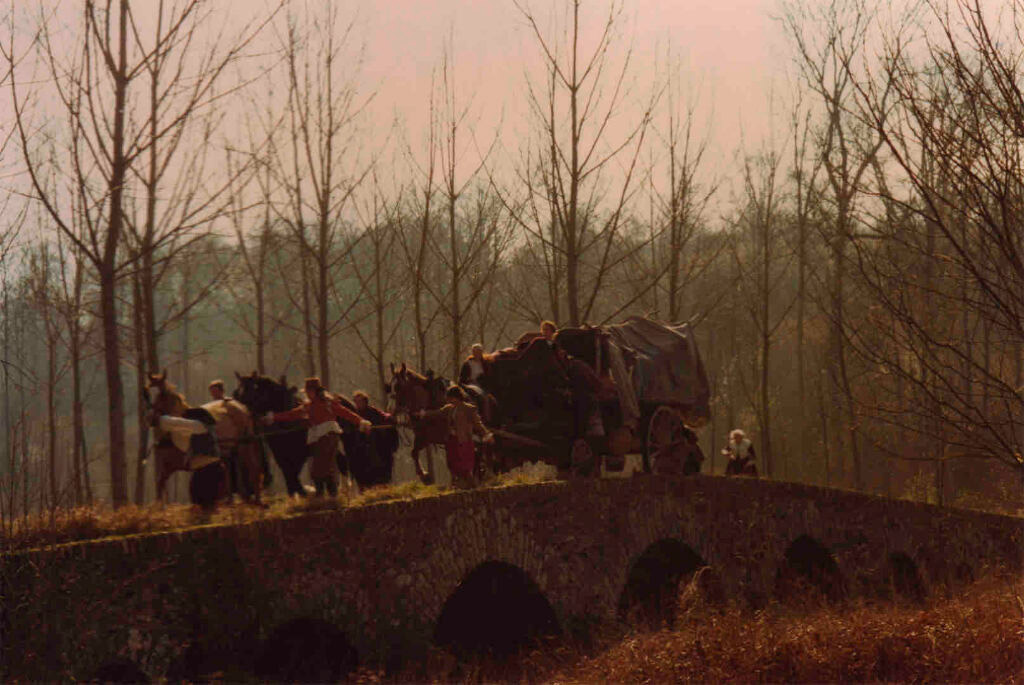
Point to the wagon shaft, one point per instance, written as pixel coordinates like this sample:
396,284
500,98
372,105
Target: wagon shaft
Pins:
529,442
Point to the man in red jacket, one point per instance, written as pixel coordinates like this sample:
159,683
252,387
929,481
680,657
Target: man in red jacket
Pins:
320,412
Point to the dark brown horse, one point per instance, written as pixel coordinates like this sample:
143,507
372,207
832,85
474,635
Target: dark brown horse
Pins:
413,392
233,428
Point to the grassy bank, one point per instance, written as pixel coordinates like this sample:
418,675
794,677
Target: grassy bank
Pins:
976,637
90,523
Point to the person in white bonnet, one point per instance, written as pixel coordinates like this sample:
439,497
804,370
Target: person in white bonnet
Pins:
742,458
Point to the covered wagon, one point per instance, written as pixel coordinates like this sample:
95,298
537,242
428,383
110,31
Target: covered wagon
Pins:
599,393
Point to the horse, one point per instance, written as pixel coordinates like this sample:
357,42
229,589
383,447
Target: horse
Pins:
369,463
287,440
413,392
233,429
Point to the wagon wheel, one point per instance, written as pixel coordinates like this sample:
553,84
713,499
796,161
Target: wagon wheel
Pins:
668,442
582,461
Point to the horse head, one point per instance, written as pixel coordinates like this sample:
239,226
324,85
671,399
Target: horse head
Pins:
156,380
411,391
262,394
167,401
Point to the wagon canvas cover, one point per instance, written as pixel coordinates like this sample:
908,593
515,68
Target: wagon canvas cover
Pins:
668,368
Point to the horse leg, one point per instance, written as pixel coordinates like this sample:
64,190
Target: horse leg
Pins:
161,482
290,465
291,472
427,477
163,466
251,471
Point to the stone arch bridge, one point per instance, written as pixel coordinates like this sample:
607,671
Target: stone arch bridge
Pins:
386,575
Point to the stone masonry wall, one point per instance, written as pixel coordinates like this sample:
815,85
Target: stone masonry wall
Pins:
382,573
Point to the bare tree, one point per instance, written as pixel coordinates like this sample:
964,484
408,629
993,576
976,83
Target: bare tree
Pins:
319,164
474,238
804,174
382,284
92,88
830,41
679,209
418,234
254,252
949,271
761,270
43,300
98,84
578,183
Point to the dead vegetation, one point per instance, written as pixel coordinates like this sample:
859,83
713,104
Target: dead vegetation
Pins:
973,636
90,523
977,636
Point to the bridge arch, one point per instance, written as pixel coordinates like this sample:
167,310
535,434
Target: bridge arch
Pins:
808,565
651,592
475,536
306,649
496,608
905,578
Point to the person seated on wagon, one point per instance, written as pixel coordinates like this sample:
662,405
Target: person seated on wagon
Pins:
547,331
463,421
742,458
323,434
475,369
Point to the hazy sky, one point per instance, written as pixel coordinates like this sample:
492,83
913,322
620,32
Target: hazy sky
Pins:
731,49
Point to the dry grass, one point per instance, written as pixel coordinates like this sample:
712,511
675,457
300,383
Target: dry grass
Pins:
91,523
402,491
975,637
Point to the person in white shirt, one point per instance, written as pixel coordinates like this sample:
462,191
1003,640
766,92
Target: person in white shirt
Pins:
742,458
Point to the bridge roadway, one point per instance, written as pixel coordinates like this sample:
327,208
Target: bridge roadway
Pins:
396,577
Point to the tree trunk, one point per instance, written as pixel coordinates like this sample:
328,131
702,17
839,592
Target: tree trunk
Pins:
51,409
115,390
108,274
766,339
307,321
83,489
381,311
323,334
421,261
674,237
261,303
801,365
824,408
140,384
456,277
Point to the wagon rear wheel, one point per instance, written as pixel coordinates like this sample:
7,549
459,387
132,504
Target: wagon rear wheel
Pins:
668,442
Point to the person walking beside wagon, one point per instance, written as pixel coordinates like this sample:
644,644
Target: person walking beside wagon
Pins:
323,434
463,421
235,437
371,456
742,458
